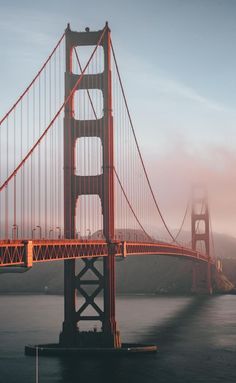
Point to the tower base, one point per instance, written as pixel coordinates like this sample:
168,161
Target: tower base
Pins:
201,279
88,339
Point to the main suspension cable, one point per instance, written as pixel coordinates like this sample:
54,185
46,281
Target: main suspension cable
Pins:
183,220
32,82
129,204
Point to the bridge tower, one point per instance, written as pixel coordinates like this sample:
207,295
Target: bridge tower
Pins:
101,185
201,272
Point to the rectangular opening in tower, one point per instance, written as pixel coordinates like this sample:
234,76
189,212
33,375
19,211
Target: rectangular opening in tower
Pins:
201,246
200,226
88,156
81,55
89,219
88,104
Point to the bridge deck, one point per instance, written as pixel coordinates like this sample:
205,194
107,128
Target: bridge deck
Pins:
26,253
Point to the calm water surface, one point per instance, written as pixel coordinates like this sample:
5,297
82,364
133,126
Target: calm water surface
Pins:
196,338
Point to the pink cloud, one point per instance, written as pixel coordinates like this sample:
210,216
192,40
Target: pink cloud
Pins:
174,172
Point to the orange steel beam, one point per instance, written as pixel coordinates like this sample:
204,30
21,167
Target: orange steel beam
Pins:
26,253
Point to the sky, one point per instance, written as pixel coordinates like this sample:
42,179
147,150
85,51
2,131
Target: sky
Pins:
178,63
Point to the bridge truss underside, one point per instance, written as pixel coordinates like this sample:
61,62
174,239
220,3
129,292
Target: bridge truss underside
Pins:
26,253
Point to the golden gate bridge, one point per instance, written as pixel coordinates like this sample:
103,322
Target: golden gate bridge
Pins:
73,185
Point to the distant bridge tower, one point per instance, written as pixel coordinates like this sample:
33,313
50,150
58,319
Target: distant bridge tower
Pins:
201,277
101,185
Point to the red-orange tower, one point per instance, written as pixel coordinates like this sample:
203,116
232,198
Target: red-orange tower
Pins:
201,277
99,184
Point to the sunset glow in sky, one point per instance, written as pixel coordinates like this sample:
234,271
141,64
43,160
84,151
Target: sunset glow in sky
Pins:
178,63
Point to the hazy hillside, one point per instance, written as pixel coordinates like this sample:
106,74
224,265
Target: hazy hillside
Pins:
147,274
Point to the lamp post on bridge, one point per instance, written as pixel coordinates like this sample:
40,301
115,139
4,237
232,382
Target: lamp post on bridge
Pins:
40,231
32,232
59,232
77,234
14,230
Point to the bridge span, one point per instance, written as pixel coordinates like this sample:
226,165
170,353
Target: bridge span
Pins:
26,253
70,163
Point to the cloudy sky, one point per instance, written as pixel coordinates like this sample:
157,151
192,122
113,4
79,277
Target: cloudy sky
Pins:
178,63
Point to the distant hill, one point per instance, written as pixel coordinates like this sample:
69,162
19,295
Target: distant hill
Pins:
149,274
223,246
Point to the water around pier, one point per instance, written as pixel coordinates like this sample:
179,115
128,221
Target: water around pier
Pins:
196,338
